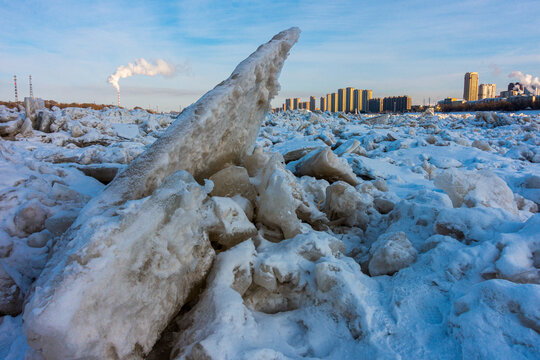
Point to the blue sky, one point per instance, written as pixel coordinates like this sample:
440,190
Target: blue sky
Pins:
419,48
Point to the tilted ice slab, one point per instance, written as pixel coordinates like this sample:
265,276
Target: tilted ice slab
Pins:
218,129
122,276
128,263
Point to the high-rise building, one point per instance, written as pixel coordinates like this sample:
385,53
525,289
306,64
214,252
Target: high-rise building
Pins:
349,101
470,89
312,103
486,91
334,102
322,103
397,103
329,102
375,105
357,100
288,104
296,103
366,96
341,100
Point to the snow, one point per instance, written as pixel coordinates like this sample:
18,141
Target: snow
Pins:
412,236
300,280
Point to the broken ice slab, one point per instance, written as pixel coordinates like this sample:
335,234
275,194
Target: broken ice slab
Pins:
124,268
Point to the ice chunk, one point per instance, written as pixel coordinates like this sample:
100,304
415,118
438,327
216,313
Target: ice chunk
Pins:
294,149
61,221
77,130
232,225
476,188
127,131
233,180
344,202
390,253
32,107
30,218
6,244
481,144
350,146
383,206
324,164
11,296
44,120
220,128
279,199
256,162
40,239
380,184
121,279
519,260
443,162
11,128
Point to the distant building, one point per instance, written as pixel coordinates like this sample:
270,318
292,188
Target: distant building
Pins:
486,91
357,100
375,105
397,104
470,89
516,87
509,93
322,103
312,103
334,102
296,103
366,96
349,100
288,104
450,101
329,102
341,100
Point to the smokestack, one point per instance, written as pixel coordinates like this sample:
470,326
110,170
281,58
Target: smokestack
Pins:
31,90
16,94
141,67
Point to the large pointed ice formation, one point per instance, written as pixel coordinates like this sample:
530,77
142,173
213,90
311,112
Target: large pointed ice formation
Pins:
218,129
129,262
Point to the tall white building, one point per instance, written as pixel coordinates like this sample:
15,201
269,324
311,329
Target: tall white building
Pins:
486,91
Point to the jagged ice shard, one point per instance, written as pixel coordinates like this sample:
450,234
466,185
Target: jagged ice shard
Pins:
130,260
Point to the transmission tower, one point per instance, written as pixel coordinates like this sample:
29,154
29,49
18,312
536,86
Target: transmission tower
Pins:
31,90
16,93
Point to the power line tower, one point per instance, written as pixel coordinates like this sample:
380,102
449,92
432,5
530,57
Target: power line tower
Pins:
16,93
31,90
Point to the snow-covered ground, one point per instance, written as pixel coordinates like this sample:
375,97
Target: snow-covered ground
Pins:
410,236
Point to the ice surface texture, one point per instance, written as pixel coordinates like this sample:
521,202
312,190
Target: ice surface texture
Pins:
128,263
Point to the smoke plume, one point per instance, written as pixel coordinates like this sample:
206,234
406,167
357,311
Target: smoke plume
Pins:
526,80
141,67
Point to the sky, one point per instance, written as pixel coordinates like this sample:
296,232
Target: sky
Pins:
418,48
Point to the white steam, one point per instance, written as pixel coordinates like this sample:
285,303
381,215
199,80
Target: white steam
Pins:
141,67
526,80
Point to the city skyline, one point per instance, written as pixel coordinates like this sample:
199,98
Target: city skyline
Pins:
381,46
349,100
